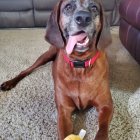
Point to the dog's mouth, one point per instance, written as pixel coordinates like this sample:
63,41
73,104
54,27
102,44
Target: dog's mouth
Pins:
78,42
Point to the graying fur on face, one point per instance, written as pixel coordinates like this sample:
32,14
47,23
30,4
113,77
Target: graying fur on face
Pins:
69,24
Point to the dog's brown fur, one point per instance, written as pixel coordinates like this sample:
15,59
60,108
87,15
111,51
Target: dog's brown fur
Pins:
74,88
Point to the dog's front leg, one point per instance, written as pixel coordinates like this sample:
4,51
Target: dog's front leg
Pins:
105,114
65,126
105,111
64,120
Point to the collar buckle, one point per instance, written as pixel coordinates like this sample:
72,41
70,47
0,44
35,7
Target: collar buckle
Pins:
79,64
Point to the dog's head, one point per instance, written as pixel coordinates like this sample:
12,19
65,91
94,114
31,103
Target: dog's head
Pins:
75,25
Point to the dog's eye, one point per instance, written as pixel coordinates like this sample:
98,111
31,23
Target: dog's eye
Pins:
93,8
69,8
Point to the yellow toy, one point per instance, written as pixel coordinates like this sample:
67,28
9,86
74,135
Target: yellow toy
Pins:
76,137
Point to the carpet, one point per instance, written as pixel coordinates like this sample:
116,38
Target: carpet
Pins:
28,112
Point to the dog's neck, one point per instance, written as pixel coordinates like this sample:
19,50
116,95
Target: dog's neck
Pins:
81,60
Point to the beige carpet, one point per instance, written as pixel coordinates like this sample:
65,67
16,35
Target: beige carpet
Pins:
28,111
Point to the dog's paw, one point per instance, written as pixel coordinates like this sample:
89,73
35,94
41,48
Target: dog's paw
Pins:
8,85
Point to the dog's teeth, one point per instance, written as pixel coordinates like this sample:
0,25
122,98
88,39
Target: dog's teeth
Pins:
87,40
85,43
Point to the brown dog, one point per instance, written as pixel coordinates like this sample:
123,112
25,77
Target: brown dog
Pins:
80,70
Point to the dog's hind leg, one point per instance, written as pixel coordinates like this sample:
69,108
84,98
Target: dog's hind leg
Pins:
43,59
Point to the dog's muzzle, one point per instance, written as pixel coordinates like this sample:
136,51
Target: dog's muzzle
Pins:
83,18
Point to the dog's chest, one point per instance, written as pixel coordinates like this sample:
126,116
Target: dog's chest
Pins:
80,86
82,93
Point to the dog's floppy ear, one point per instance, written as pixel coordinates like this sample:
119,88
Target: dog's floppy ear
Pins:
104,35
53,32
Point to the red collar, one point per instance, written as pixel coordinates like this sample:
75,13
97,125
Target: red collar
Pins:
81,64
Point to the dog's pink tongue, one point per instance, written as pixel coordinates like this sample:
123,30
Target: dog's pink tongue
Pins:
72,41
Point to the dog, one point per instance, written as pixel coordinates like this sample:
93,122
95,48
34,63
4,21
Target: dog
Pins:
80,70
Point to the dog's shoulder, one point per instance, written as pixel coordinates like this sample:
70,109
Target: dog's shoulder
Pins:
102,61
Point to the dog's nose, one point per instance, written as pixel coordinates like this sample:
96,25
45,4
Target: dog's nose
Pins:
83,18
